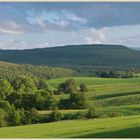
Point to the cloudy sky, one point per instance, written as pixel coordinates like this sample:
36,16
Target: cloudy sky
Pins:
46,24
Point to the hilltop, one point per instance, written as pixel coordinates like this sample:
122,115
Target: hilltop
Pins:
79,57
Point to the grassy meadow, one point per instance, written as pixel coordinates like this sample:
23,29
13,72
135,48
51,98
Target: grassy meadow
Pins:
118,127
108,95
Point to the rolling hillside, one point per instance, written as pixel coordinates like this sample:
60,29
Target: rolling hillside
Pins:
88,57
12,70
109,94
120,97
118,127
117,100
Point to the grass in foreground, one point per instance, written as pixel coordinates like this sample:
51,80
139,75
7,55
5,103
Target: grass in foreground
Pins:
125,127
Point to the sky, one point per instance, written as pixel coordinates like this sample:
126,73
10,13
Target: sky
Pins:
27,25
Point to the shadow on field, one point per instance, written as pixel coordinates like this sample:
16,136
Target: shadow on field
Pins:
124,133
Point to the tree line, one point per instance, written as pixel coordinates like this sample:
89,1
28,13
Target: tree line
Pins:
116,74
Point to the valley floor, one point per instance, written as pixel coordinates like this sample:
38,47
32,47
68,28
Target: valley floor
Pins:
117,127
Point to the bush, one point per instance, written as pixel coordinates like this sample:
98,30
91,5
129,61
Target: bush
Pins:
5,89
56,116
30,116
3,116
80,115
69,116
55,92
114,114
5,105
14,116
64,104
73,116
43,118
15,99
91,113
34,115
83,87
42,85
45,100
28,101
24,85
27,119
67,87
78,101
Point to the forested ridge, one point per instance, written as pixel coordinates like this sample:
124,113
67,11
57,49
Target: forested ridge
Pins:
80,57
11,70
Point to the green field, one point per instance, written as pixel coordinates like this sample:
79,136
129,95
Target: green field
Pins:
93,81
120,96
121,127
107,91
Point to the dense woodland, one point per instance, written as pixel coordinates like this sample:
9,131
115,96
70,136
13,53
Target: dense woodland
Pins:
81,57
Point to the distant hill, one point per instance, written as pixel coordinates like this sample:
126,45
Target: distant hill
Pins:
136,48
76,56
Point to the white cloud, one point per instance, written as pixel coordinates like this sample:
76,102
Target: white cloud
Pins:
90,40
54,19
43,45
132,40
96,36
10,27
12,44
10,32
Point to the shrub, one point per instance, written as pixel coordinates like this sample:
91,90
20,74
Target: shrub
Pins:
5,105
91,113
34,115
78,100
28,101
114,114
24,85
3,116
13,116
69,116
30,116
5,89
67,87
64,104
27,117
56,116
83,87
42,85
80,115
22,116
